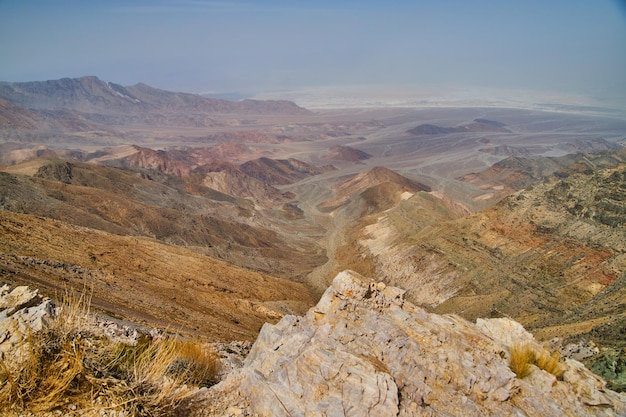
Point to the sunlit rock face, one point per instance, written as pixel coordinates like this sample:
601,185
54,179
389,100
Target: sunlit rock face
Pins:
365,351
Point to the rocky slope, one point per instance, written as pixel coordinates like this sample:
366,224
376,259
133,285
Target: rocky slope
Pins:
282,171
517,172
144,280
346,153
365,351
243,229
551,257
15,117
378,187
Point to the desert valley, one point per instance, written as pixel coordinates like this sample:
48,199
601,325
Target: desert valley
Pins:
209,218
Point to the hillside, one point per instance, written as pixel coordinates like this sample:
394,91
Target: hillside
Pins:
15,117
379,187
347,153
550,257
144,280
516,172
167,208
282,171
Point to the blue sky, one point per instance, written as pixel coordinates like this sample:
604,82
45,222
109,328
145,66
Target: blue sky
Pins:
252,46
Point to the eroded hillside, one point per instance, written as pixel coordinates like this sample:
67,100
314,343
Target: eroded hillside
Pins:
242,227
143,280
551,256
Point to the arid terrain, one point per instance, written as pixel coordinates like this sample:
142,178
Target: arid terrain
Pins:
212,217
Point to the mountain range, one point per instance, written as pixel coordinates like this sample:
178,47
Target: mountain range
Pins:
212,217
90,96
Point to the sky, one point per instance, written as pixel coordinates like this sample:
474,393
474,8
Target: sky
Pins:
250,47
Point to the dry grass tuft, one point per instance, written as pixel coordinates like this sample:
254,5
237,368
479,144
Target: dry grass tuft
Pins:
523,355
550,363
65,364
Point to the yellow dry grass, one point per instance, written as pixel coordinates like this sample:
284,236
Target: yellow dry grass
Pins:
65,365
522,357
550,362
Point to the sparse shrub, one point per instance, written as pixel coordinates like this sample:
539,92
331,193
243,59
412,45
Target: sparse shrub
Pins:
550,362
51,371
523,355
64,364
194,363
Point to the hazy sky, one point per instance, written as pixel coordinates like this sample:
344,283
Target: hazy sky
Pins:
252,46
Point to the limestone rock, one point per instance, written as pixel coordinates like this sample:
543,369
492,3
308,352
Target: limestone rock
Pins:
22,310
364,351
17,299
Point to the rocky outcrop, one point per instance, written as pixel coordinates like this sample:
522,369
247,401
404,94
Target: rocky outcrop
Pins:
22,310
60,171
365,351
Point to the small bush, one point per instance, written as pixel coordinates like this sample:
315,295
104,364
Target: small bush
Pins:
51,370
550,363
523,355
64,364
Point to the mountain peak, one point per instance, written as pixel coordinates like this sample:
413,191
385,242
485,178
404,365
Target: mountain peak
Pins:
379,175
364,350
91,95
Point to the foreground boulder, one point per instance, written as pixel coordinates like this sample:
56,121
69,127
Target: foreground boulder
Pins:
364,351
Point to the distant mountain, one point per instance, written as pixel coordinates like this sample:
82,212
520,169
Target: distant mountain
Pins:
281,172
88,104
515,173
166,100
478,125
378,188
92,95
347,153
16,117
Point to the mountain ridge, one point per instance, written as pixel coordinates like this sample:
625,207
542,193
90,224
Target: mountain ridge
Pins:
363,350
89,94
478,125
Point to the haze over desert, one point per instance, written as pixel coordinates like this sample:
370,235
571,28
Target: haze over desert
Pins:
289,209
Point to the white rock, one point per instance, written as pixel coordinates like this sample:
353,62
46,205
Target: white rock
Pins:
364,351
